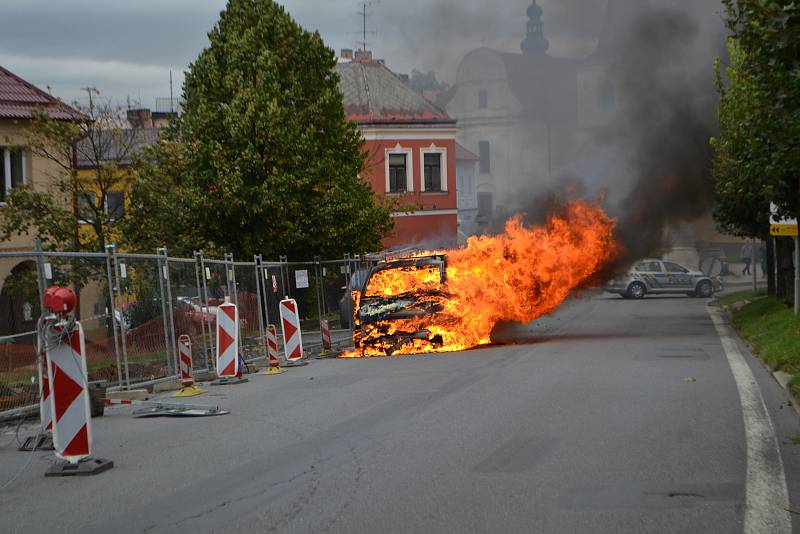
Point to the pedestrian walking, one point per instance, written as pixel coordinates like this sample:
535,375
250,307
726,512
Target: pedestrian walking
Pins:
746,255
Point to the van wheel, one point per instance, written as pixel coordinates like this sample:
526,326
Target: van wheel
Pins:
636,290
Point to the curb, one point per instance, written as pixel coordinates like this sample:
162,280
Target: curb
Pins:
778,376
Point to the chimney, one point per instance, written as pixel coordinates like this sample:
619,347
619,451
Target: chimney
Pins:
363,55
140,118
347,53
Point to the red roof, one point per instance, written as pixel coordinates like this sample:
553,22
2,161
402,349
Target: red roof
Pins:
375,95
19,99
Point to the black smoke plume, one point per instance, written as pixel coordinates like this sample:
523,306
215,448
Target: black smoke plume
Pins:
664,72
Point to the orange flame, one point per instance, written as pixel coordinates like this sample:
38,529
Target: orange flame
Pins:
519,275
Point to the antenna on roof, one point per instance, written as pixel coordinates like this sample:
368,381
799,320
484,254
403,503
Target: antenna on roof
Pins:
171,106
365,14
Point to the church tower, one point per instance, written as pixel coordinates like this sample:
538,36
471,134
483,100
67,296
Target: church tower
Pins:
534,42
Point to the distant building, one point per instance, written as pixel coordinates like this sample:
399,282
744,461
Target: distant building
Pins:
528,116
411,146
466,163
118,147
19,100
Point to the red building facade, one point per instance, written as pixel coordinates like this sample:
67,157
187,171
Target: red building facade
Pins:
411,153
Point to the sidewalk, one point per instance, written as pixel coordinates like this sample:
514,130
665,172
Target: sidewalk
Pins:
737,279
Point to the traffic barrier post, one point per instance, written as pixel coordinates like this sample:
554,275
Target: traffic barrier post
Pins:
69,396
292,334
188,387
228,371
325,333
274,363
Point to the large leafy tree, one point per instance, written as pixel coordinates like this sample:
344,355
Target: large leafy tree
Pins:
765,96
744,188
161,204
273,164
756,156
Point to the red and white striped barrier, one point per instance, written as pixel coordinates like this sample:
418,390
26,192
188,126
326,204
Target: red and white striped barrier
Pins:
326,334
273,363
185,353
69,397
272,346
292,336
227,340
188,387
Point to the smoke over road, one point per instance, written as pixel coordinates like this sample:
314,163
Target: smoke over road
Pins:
651,159
663,69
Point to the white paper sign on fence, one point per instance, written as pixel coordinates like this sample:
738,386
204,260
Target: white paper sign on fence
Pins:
301,279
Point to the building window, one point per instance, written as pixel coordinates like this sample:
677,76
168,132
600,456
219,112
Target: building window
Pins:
483,153
12,170
115,204
466,187
433,171
485,205
397,173
86,204
483,99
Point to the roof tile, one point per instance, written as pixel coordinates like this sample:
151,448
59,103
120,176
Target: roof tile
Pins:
374,94
19,99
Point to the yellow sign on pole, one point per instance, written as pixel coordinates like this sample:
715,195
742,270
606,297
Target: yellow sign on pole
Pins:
783,230
780,227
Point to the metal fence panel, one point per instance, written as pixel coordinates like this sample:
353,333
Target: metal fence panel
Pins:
190,316
275,289
88,276
247,297
216,290
133,307
142,305
19,311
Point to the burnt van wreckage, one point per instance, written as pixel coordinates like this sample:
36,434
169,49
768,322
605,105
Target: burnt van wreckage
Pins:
398,303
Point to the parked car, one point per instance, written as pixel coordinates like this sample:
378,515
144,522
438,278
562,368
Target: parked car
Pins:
663,277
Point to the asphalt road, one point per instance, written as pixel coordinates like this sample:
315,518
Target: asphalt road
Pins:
612,416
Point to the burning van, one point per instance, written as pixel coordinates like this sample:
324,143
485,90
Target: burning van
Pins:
448,302
398,304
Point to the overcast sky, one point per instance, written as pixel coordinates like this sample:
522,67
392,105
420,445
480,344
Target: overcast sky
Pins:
126,49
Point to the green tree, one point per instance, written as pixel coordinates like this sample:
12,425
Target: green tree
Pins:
273,163
744,190
756,159
161,204
767,34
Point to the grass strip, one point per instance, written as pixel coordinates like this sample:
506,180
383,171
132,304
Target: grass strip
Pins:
771,328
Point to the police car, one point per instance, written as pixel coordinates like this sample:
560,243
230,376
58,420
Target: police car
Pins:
658,277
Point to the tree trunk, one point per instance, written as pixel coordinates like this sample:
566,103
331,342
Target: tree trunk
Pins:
786,270
780,283
770,252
